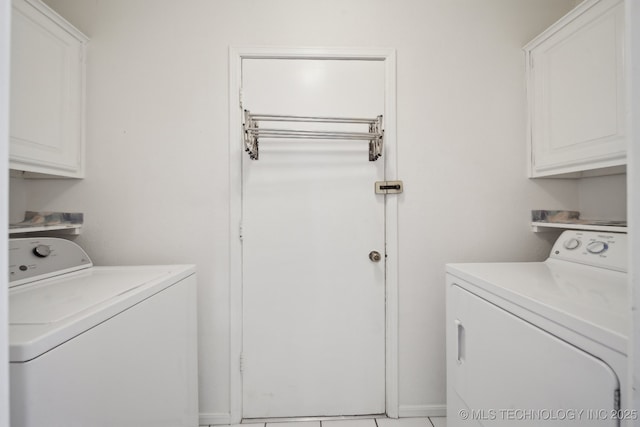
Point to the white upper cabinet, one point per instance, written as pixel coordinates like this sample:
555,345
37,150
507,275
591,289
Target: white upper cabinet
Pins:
576,91
47,92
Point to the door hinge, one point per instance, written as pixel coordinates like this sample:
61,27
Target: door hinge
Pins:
240,97
241,232
616,400
241,362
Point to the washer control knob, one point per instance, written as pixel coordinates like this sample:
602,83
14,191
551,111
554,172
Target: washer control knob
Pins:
572,244
597,247
42,251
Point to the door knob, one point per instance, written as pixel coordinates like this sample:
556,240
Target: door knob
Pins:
375,256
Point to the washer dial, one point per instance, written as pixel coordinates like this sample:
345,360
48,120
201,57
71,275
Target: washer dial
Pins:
597,247
572,244
42,251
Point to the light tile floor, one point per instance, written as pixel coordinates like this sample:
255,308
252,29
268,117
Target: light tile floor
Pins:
361,422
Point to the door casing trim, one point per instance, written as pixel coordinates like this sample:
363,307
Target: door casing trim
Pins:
236,55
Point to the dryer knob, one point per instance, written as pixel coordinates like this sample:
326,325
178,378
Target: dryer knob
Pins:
42,251
571,244
597,247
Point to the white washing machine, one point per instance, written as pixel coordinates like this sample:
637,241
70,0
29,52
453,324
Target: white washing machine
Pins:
541,343
99,346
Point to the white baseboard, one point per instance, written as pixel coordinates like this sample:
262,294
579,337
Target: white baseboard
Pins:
222,418
410,411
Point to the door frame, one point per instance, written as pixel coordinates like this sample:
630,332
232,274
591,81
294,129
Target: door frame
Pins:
236,151
5,67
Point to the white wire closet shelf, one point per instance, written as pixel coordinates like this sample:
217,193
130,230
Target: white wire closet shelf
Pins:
253,133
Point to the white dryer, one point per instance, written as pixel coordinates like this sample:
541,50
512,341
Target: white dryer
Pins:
541,343
99,346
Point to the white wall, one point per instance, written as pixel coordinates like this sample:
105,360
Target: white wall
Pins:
157,185
603,197
17,198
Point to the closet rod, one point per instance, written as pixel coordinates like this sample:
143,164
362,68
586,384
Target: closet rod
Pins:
310,119
308,134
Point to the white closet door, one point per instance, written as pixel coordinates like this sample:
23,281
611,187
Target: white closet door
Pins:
313,301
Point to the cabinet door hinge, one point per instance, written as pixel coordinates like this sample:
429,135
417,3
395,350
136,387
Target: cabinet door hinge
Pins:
241,232
241,362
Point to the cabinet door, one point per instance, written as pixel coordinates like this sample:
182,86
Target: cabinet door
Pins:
47,82
577,91
506,371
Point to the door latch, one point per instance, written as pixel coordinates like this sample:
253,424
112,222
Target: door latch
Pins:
389,187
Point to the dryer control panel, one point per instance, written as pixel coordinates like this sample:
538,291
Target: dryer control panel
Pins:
33,259
596,248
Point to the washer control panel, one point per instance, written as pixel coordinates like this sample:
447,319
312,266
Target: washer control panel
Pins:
597,248
33,259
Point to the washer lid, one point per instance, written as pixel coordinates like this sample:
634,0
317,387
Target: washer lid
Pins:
54,302
50,312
